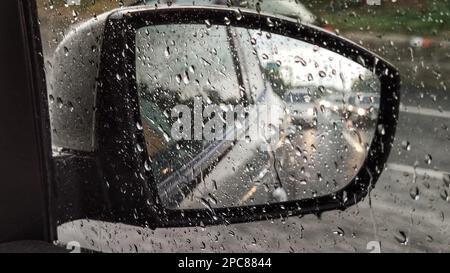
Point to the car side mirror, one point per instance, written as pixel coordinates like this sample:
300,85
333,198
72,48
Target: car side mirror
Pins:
218,115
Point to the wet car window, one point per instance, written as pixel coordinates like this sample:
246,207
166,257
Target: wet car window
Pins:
407,211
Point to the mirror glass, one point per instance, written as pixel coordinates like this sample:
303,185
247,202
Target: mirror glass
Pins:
237,117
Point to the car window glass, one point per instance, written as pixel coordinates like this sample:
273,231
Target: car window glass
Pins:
407,211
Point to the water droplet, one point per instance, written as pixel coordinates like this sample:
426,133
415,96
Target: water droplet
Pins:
406,145
74,14
186,79
70,106
258,7
444,195
381,129
178,78
205,203
167,52
339,232
147,166
139,148
66,51
208,23
238,15
59,102
280,194
428,159
319,176
361,60
401,237
299,59
139,126
414,193
212,198
321,89
446,180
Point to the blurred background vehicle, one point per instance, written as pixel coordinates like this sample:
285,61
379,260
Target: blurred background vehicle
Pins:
301,108
363,105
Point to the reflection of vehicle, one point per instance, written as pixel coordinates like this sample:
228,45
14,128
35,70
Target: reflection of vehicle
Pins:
213,76
333,102
364,106
300,107
357,107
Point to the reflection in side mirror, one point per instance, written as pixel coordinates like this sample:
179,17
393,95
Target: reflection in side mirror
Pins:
188,116
239,117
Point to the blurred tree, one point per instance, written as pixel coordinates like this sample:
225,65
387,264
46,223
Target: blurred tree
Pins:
421,5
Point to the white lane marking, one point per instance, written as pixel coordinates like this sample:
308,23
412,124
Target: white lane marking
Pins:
418,171
424,111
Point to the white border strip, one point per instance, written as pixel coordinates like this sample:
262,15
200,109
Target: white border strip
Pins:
424,111
418,171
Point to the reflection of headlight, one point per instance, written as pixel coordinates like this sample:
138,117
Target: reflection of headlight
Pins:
325,103
361,112
310,112
350,108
